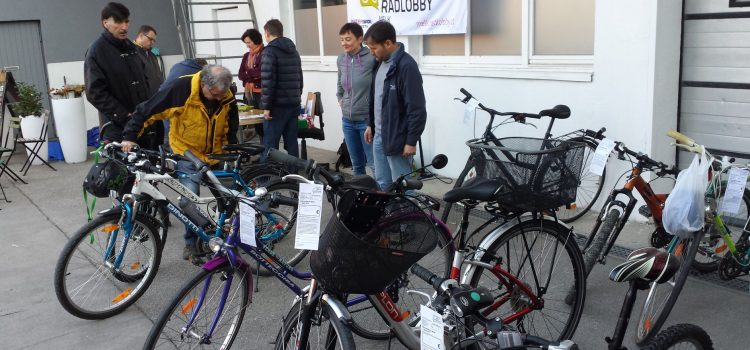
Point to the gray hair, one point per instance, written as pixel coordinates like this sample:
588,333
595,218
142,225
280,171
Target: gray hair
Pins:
216,76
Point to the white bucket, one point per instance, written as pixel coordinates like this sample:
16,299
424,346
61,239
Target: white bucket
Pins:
70,123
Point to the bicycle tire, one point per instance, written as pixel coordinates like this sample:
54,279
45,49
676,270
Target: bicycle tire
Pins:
367,321
657,307
344,340
566,277
447,207
160,214
287,217
179,309
261,174
680,334
589,187
108,299
707,259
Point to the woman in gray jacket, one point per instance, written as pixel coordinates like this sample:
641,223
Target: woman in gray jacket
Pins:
355,67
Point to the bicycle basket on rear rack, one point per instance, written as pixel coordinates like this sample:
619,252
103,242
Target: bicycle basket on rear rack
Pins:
538,174
372,240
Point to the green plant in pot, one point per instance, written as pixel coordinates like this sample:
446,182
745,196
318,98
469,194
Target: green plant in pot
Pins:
29,101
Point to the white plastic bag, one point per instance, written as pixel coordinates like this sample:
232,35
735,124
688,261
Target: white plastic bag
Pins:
684,211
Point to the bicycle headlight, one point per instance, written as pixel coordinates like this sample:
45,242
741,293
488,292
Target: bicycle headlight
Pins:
215,244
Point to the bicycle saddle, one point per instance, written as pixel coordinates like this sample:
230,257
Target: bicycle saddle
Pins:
557,112
250,148
225,157
648,264
483,190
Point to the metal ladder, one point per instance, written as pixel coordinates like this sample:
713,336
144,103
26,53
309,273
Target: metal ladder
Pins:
183,13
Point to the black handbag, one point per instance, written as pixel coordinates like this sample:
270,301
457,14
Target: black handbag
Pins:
111,175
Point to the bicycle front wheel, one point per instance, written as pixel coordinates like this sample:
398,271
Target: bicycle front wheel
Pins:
326,330
188,321
662,296
713,248
277,233
546,261
589,186
681,336
88,285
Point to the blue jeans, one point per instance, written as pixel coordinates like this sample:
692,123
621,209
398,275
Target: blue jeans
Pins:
283,123
191,179
359,151
388,168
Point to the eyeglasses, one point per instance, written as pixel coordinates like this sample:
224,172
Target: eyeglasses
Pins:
153,40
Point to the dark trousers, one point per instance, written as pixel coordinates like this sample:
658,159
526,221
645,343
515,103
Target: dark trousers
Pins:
283,123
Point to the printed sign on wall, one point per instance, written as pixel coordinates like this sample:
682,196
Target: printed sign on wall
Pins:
412,17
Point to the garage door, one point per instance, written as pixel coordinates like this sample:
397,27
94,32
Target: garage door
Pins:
21,45
715,94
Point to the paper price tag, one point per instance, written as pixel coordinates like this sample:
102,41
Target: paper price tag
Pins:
432,329
601,155
734,191
309,212
470,111
247,224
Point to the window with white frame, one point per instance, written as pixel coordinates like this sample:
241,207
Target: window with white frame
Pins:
519,31
316,20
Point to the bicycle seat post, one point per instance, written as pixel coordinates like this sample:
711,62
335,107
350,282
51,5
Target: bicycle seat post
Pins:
615,342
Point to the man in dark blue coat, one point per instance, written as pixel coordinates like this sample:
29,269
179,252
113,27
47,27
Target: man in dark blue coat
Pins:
281,88
397,105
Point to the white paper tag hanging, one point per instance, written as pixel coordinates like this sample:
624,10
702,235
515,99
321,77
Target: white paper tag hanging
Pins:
601,155
734,191
470,111
431,337
309,212
247,224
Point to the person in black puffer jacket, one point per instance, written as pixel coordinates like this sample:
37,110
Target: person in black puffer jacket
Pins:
114,73
281,88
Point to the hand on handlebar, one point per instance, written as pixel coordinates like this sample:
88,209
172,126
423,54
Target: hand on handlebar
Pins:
127,146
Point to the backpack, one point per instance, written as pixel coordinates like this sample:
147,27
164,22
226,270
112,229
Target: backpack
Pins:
344,159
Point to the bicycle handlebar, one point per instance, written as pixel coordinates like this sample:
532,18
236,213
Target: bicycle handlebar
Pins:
685,142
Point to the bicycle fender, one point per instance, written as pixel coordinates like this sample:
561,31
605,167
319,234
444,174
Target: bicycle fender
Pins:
338,308
497,234
112,210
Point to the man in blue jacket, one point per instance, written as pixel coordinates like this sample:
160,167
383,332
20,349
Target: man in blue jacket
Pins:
281,88
397,105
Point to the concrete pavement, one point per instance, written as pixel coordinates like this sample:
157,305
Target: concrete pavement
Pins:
44,213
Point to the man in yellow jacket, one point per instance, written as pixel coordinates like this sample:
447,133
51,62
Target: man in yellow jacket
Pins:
202,113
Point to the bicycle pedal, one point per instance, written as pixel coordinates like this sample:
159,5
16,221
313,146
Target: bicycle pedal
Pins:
645,211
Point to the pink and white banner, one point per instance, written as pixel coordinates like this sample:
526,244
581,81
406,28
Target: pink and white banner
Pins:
412,17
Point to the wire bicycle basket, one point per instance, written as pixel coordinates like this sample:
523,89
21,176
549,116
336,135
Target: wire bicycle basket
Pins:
538,174
371,241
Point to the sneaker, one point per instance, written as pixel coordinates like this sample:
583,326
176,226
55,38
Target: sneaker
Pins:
190,253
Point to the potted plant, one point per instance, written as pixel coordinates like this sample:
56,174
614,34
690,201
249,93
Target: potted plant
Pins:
29,108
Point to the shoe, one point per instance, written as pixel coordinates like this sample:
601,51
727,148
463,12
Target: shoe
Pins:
190,253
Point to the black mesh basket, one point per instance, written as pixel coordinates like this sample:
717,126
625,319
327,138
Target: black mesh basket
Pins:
372,240
538,174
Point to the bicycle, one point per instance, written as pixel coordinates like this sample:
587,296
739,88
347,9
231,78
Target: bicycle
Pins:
590,185
235,277
461,307
97,268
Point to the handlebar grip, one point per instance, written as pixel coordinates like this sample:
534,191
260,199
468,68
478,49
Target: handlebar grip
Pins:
199,164
466,93
681,138
412,184
279,199
284,158
427,276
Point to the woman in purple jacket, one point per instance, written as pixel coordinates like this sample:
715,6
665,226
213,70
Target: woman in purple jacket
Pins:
249,72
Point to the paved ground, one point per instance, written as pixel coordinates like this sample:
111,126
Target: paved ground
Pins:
44,213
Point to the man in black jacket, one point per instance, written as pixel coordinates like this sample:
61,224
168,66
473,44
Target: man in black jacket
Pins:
397,105
145,40
115,80
281,82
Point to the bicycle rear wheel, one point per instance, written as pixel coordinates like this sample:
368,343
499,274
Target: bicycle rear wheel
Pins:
681,336
589,186
546,259
326,330
200,300
87,285
663,296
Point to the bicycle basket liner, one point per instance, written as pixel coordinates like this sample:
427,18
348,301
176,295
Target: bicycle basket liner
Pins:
538,174
109,175
371,241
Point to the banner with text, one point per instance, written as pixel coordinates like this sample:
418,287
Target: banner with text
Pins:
412,17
